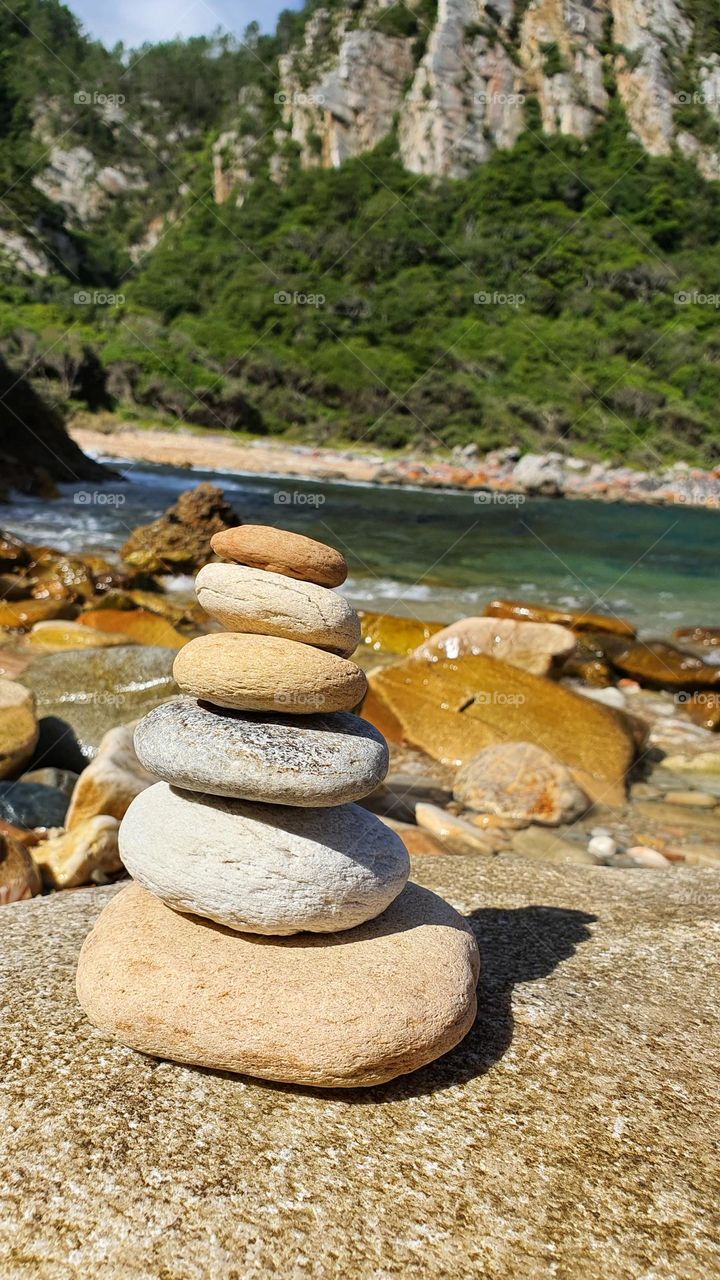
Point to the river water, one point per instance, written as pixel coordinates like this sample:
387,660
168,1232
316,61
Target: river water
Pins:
434,555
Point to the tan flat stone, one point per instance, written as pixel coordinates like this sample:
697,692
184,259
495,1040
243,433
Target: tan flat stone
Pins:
453,710
263,673
292,554
532,646
374,1003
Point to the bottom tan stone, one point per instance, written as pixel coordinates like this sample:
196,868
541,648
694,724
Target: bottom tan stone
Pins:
339,1010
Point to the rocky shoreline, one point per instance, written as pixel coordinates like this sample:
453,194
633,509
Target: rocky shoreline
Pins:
502,476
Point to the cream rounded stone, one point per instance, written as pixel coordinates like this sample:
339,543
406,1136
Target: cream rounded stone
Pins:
261,546
263,868
269,604
264,673
277,759
358,1008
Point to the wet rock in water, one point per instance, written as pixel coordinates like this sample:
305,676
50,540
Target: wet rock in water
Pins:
521,781
96,690
453,710
19,730
73,635
703,709
388,634
27,804
61,577
24,837
348,1015
111,782
19,877
698,637
532,646
642,856
15,553
179,541
73,858
61,779
548,846
139,626
21,615
662,666
577,619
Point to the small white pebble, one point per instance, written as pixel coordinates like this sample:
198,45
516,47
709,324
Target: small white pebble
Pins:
602,846
645,857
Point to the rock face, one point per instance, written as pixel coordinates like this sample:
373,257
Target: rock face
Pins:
18,727
453,710
522,781
92,692
333,1025
178,541
262,673
271,604
262,868
532,646
290,760
591,1070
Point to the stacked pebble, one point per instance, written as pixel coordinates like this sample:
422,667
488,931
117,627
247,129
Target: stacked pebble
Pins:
253,827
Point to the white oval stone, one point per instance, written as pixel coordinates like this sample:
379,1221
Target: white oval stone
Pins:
269,604
308,761
262,868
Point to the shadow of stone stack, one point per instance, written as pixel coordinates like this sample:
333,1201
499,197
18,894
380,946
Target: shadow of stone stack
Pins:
270,928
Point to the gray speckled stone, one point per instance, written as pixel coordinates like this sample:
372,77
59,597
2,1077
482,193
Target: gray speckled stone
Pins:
307,761
570,1132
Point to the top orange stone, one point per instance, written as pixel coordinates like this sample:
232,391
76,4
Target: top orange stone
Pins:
260,546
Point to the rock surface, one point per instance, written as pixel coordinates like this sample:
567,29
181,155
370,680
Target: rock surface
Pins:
259,546
519,780
262,868
19,877
271,604
89,851
532,646
93,692
377,1002
262,673
18,727
178,541
570,1130
290,760
453,710
111,781
29,804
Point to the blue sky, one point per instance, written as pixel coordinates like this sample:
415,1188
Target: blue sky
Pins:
134,21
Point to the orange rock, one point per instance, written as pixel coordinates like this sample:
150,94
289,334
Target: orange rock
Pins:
279,551
141,626
577,620
20,615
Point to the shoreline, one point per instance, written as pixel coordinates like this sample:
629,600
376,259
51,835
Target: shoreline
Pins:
502,476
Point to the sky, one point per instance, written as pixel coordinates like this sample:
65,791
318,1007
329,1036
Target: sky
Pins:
134,21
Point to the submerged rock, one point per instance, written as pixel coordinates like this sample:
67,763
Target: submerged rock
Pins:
532,646
386,633
662,666
576,619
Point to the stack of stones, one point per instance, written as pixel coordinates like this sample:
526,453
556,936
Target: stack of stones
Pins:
270,928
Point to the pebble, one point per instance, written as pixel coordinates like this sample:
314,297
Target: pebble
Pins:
279,551
262,868
292,760
602,846
692,799
269,604
263,673
642,856
350,1011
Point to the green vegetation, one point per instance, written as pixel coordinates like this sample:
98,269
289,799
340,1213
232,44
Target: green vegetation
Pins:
531,303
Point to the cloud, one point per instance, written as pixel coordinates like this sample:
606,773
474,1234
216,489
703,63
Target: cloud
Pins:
135,21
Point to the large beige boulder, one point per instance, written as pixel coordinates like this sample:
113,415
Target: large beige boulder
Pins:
374,1003
18,727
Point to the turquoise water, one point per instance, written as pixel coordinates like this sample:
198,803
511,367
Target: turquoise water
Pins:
436,555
